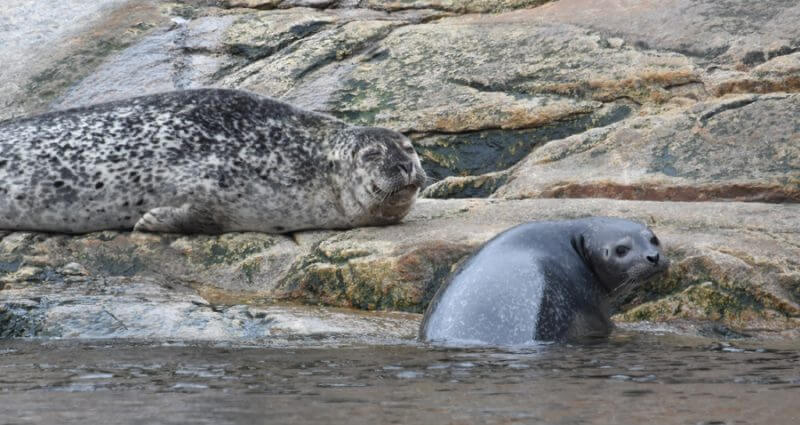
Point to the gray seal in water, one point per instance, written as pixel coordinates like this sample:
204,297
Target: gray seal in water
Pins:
543,281
201,161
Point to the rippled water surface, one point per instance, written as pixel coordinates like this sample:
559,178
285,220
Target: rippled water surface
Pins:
632,379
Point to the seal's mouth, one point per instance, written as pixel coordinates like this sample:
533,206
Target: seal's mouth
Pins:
395,203
639,276
397,193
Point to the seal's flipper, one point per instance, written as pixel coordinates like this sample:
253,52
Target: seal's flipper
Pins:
184,219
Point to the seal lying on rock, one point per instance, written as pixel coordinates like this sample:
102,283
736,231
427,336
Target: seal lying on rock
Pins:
543,281
201,161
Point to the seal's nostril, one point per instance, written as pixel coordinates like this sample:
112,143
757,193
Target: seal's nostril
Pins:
653,258
406,167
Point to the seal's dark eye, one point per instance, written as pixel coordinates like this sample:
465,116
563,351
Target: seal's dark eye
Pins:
409,150
622,250
654,240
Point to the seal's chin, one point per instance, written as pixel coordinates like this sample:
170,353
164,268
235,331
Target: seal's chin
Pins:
639,276
396,204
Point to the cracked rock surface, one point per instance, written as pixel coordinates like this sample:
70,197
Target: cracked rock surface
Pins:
678,113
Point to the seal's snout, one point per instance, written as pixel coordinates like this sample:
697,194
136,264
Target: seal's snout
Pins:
653,258
406,168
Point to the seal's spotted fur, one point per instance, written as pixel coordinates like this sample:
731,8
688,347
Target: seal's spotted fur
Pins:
204,161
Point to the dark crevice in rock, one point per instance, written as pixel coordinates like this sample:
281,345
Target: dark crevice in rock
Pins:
728,106
757,57
497,7
365,46
120,322
684,84
639,89
782,51
652,192
625,99
489,150
788,84
508,87
466,187
255,53
707,54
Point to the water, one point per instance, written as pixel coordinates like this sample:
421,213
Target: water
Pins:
633,378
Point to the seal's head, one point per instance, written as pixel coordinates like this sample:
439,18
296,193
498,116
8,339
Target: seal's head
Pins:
621,253
384,173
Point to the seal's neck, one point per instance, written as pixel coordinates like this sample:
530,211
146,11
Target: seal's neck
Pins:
578,242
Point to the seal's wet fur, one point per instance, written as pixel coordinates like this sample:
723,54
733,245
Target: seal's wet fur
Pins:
543,281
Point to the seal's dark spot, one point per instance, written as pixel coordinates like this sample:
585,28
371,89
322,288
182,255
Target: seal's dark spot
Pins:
58,183
99,185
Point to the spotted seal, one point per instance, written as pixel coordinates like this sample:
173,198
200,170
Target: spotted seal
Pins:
201,161
543,281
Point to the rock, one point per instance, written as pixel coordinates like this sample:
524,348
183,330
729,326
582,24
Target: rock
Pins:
721,33
245,261
118,307
744,148
458,6
747,251
46,47
263,34
188,54
781,73
678,100
276,75
492,97
481,186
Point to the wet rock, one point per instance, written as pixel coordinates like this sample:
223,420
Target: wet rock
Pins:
489,151
142,308
683,100
46,47
187,54
246,261
736,263
742,148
